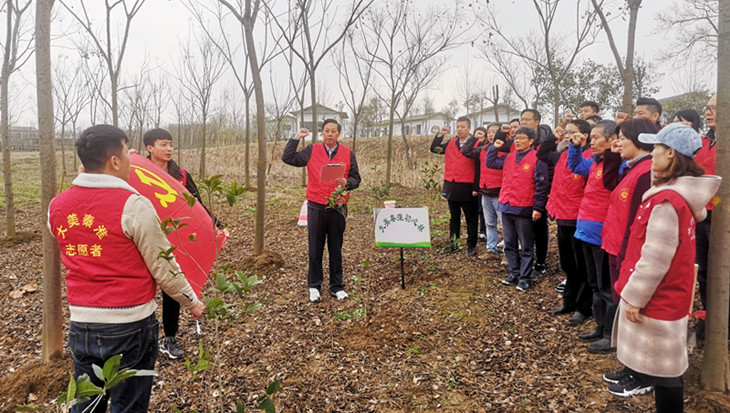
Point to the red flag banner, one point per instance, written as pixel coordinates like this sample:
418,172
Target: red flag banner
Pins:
197,240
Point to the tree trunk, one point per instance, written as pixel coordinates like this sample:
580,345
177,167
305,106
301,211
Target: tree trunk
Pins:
63,147
354,133
52,312
715,372
115,103
5,125
406,145
246,161
201,173
315,123
628,74
389,152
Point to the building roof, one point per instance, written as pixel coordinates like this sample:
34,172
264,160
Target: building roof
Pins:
490,109
322,108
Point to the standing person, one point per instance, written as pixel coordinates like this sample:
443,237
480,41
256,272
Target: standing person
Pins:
159,145
514,124
490,183
461,184
323,223
521,201
110,239
689,117
563,205
706,159
627,187
543,133
656,280
588,109
591,215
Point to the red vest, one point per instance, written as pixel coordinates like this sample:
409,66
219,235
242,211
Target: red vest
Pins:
518,180
489,178
104,266
567,189
594,205
317,191
184,179
458,168
673,295
705,157
617,216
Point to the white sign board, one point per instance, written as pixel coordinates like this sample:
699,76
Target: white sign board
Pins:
402,227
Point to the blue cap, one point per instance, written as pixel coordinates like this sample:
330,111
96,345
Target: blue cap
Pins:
677,136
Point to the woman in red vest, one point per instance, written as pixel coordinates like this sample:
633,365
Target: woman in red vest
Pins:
656,280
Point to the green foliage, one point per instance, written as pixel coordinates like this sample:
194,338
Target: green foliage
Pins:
431,178
265,402
216,308
414,350
202,364
82,389
338,198
170,225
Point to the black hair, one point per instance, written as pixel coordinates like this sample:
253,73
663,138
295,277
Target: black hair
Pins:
534,112
153,135
690,115
330,120
497,124
651,102
592,104
514,120
583,126
527,131
464,119
594,118
99,143
481,128
608,127
632,128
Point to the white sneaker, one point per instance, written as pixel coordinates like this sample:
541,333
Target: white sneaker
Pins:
313,294
340,295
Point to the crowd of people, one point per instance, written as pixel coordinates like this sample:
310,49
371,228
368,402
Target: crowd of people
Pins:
631,199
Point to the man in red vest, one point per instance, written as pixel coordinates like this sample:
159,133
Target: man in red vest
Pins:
159,144
324,223
461,184
110,241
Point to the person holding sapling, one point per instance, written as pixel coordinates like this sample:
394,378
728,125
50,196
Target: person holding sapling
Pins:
327,198
159,145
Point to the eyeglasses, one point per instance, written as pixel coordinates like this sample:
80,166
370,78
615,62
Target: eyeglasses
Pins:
568,133
710,108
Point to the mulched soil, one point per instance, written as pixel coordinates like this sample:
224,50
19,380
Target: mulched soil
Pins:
455,339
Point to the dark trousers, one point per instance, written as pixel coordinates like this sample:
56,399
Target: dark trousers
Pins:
471,215
598,279
668,392
609,294
325,224
482,223
170,315
577,294
95,343
540,229
702,241
518,228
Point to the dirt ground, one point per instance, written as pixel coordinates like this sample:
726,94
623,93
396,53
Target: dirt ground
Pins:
455,339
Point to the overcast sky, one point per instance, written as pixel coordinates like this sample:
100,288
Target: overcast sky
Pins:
162,24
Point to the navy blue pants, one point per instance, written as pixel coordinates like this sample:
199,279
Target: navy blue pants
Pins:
518,228
325,224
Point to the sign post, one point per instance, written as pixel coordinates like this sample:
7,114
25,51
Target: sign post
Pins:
402,228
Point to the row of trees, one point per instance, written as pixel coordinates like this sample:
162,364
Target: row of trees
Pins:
389,52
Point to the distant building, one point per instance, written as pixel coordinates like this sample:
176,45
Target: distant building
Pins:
421,124
303,117
24,138
486,116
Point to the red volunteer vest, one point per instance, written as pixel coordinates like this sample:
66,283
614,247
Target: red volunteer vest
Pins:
705,157
489,178
567,189
594,205
672,297
104,266
184,180
317,191
518,180
617,216
458,168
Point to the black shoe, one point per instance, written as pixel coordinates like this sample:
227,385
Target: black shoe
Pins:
453,247
561,287
617,376
561,310
591,336
540,268
577,319
511,280
602,346
523,285
471,252
629,387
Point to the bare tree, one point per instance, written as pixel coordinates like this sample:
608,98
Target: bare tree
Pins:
312,33
361,76
202,67
547,54
95,79
715,371
17,49
400,42
159,95
692,27
71,98
246,14
283,98
626,68
182,112
52,312
112,54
